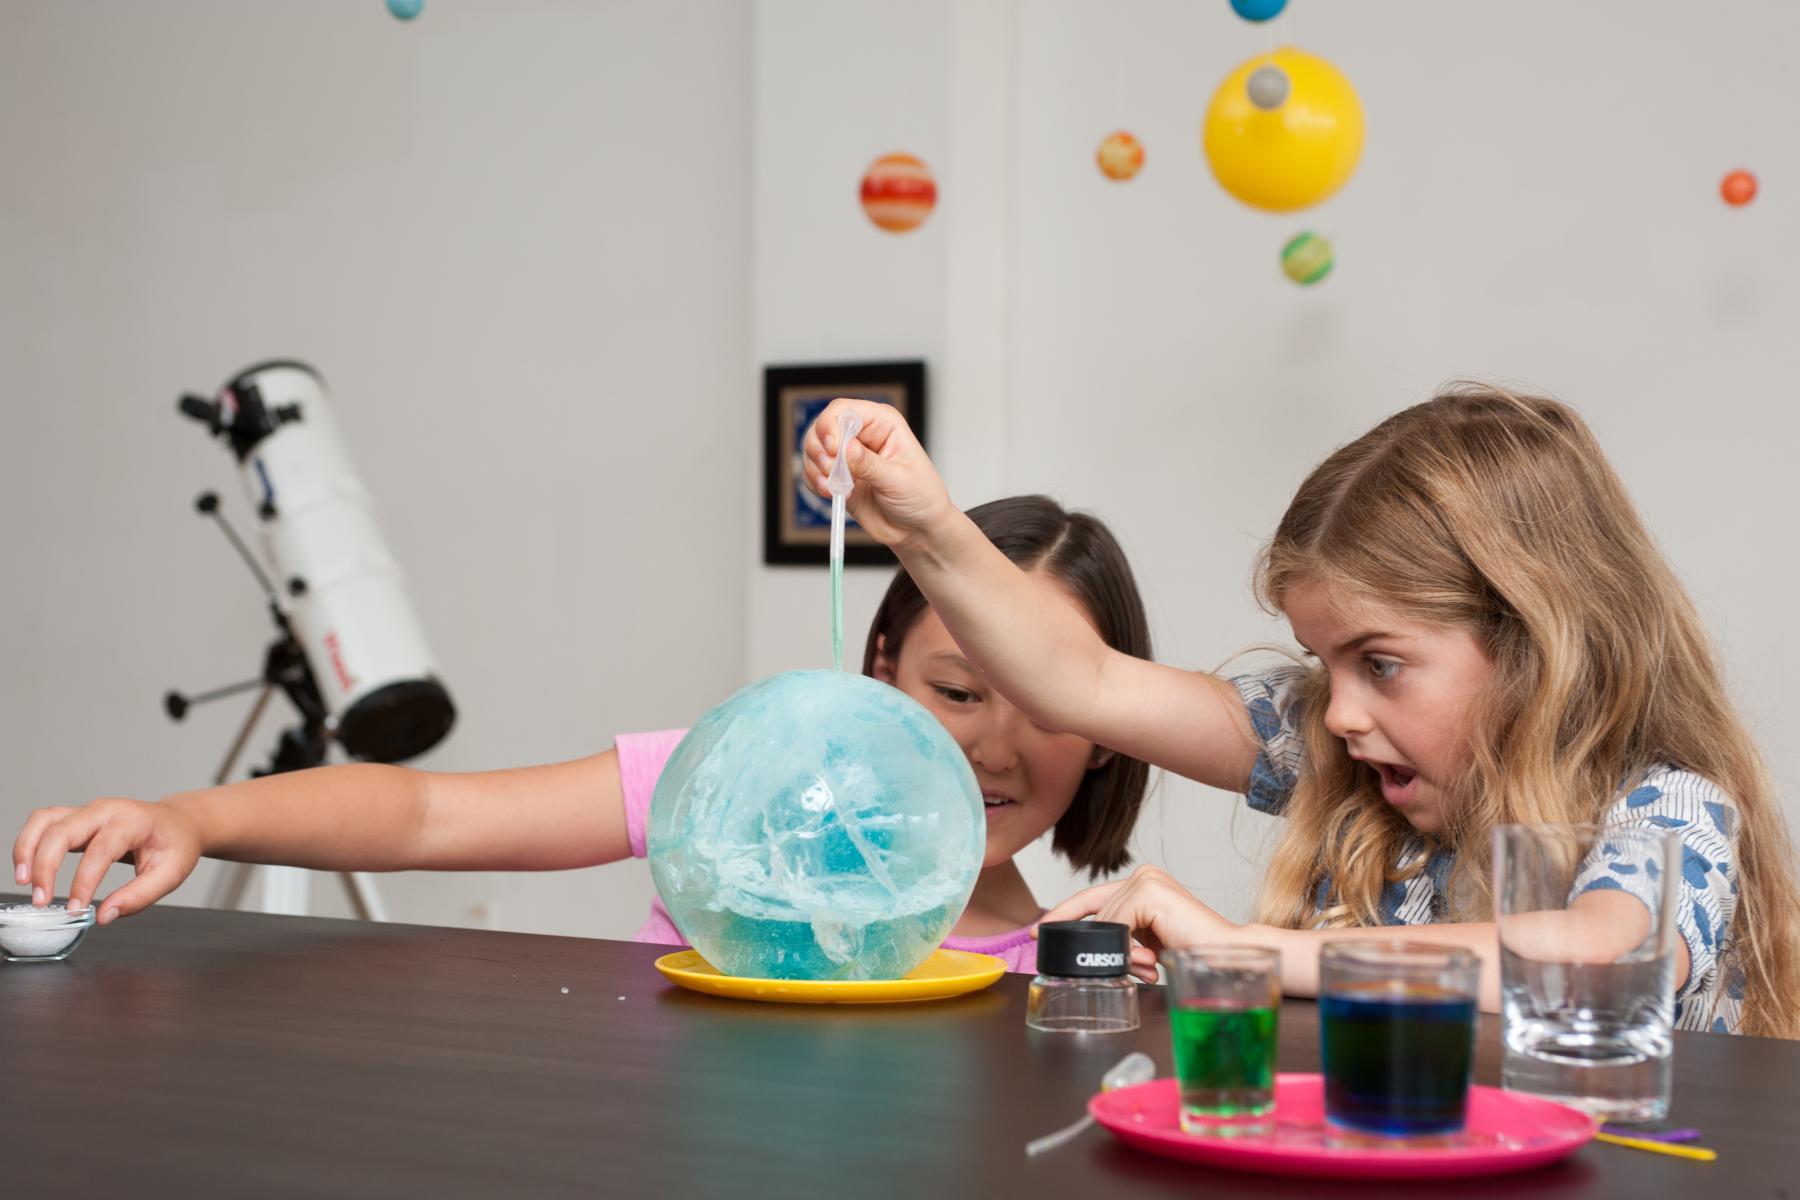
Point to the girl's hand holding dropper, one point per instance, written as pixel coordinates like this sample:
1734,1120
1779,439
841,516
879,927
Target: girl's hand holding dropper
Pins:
899,498
1039,651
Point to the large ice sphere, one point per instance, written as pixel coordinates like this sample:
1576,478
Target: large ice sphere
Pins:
816,825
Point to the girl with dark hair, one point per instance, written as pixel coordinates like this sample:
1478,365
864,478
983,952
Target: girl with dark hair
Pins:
370,817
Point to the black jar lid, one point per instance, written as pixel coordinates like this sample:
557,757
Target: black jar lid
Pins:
1083,948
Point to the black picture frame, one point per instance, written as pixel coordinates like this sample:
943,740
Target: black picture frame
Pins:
794,532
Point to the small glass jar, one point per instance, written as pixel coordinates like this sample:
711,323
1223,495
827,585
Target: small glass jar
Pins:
1084,982
29,934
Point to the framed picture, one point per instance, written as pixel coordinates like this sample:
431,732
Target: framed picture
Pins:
796,521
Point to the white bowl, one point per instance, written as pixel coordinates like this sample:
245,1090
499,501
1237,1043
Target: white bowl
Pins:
48,934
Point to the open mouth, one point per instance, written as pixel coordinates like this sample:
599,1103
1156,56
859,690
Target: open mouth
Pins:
993,801
1396,781
1397,776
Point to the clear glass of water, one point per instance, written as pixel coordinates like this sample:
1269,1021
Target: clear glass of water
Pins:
1586,915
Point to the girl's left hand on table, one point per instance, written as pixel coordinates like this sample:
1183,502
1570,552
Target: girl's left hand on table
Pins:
1160,912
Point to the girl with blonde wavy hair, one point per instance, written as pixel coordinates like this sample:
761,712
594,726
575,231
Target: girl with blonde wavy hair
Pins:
1491,637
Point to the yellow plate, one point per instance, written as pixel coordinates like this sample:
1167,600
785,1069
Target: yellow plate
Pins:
946,973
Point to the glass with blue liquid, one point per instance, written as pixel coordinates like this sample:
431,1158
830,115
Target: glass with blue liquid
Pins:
1397,1036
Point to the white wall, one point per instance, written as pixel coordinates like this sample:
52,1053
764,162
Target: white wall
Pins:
836,86
525,241
515,240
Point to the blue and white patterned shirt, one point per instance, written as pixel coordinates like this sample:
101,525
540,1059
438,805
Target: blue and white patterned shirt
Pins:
1665,797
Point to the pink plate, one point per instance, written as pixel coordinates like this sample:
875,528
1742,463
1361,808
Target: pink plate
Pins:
1506,1132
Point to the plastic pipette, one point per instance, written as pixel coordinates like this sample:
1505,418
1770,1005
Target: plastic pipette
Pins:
839,484
1134,1068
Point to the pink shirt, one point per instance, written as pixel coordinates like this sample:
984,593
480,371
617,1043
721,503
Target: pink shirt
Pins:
641,759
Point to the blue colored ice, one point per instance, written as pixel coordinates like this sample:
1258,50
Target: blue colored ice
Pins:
816,825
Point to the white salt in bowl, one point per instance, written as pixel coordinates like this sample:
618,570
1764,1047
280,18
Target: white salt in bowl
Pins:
48,934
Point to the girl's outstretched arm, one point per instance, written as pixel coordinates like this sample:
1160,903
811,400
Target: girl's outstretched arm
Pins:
1042,654
547,818
1598,926
356,817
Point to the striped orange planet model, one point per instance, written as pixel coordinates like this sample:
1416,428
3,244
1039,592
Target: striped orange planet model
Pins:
898,192
1120,156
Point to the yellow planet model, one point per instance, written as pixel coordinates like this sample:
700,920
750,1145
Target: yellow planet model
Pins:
1295,154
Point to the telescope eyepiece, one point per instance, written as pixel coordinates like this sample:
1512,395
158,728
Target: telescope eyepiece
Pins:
200,409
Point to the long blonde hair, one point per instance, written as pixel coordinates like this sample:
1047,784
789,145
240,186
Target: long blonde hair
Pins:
1498,513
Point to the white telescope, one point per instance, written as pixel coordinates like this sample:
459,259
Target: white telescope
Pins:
340,593
350,655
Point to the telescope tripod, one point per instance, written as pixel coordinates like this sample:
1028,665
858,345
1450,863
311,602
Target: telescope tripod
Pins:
283,889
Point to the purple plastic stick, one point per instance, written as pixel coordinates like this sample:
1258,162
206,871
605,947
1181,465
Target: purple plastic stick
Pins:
1659,1135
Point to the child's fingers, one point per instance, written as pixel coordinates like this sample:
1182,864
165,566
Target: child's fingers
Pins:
880,423
1162,912
1082,904
884,430
812,444
25,846
818,449
864,463
822,435
155,882
70,833
816,474
1128,905
103,850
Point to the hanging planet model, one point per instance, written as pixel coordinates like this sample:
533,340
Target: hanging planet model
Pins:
1294,155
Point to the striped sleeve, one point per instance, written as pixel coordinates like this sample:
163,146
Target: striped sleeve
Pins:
1705,820
1272,698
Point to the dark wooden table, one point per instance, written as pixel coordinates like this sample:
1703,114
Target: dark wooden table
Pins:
196,1053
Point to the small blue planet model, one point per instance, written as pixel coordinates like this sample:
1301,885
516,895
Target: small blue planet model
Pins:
1258,10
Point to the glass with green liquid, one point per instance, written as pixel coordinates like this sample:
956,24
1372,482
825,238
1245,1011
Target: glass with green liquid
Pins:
1223,1006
